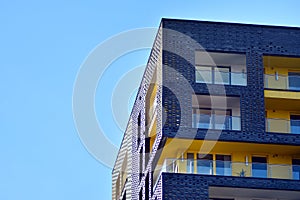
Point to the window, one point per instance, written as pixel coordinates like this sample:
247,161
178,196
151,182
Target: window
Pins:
295,123
141,163
294,80
216,112
205,164
123,173
259,166
118,187
212,118
141,194
190,163
139,135
220,68
296,169
223,165
147,150
124,196
214,75
210,164
147,187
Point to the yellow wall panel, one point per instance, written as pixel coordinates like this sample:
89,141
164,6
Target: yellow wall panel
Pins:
280,159
282,94
278,114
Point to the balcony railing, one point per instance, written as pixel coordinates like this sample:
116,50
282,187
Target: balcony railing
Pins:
228,168
220,122
219,77
283,126
282,82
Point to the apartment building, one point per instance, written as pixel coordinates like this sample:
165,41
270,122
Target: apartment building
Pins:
217,115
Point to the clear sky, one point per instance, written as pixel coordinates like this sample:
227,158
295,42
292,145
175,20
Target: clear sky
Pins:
42,46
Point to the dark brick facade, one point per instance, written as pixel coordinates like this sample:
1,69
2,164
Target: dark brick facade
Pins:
195,186
252,40
175,46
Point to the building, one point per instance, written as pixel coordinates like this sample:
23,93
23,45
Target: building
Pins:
217,115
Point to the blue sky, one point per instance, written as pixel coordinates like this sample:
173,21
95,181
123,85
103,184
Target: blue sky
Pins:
42,46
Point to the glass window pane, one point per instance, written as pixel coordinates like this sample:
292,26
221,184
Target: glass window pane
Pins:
203,74
222,119
212,119
222,75
296,169
259,167
223,165
294,80
190,163
295,123
204,164
205,119
238,78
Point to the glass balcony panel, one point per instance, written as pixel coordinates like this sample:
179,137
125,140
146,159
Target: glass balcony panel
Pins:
295,123
295,126
228,168
259,167
204,167
222,122
283,126
241,169
202,121
238,78
190,166
204,74
235,123
294,81
279,171
283,82
223,168
296,169
259,170
296,172
276,82
204,163
216,122
278,125
220,75
190,163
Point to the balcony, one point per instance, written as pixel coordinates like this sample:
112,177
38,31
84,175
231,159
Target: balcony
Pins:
220,68
283,126
216,112
283,82
228,168
220,122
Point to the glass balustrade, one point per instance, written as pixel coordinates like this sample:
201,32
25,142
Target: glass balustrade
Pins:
228,168
221,122
221,77
283,82
283,126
